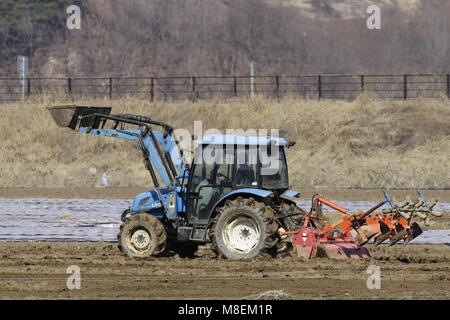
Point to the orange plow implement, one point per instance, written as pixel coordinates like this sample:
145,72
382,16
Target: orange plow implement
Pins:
346,237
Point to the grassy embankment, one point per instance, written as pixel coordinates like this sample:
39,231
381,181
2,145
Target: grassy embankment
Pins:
365,143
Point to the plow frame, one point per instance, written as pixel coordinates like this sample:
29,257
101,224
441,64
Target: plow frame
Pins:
346,237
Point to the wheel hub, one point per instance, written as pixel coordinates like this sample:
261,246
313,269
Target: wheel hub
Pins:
242,234
140,240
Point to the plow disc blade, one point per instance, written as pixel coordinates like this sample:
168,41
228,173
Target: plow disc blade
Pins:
416,230
369,231
342,251
401,233
386,233
67,116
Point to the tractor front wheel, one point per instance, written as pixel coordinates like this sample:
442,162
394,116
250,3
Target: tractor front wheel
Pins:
142,235
244,229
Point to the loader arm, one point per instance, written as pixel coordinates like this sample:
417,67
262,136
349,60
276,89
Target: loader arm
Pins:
160,149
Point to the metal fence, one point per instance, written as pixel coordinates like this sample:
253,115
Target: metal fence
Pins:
204,87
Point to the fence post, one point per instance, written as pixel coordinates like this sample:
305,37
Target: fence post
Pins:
28,87
110,88
319,86
405,87
194,92
448,86
277,87
69,85
152,92
193,89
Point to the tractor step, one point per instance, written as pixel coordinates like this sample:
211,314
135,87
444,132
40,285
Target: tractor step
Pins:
196,233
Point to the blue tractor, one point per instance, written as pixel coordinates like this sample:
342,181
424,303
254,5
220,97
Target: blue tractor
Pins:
229,198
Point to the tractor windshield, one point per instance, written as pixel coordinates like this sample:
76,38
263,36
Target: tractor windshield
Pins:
274,173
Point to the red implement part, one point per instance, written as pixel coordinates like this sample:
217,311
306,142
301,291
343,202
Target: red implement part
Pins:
402,231
306,243
309,244
370,229
395,229
387,231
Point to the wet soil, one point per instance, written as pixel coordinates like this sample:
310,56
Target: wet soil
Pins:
37,270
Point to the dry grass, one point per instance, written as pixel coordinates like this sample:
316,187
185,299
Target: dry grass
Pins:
346,9
364,143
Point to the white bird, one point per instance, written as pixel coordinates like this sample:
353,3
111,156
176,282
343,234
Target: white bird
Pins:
105,178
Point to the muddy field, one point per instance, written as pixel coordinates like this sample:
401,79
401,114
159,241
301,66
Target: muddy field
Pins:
38,270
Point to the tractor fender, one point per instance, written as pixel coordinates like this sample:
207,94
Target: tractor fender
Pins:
149,202
291,194
245,192
292,197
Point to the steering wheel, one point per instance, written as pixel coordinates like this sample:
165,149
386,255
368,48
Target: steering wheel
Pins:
225,178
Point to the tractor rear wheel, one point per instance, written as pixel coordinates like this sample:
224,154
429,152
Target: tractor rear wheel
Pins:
142,235
243,229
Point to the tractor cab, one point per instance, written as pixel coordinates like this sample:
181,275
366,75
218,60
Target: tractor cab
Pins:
224,163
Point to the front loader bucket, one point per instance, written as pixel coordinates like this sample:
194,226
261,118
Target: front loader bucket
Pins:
68,116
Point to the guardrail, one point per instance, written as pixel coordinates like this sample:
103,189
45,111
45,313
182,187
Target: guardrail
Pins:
203,87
